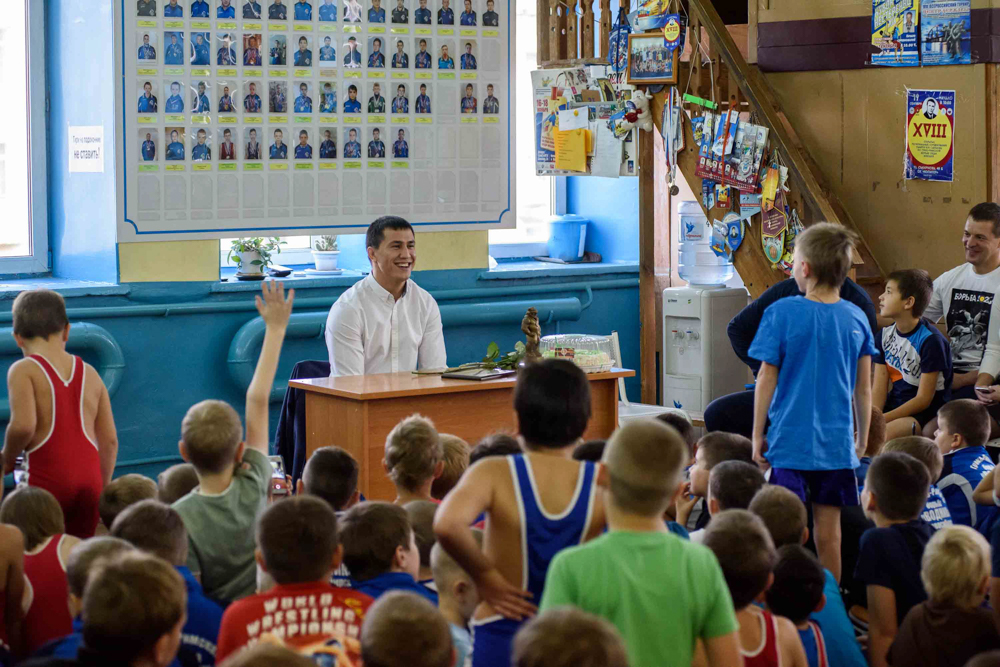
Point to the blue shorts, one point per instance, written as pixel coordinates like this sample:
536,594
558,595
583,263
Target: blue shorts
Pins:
838,488
492,641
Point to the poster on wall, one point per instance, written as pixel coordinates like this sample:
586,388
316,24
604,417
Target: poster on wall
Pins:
257,117
930,135
894,32
945,32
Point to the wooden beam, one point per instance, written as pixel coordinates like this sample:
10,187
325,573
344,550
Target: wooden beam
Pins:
587,41
752,19
647,268
572,23
605,27
993,131
542,31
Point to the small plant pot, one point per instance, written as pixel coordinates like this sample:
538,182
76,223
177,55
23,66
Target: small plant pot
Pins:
247,263
326,260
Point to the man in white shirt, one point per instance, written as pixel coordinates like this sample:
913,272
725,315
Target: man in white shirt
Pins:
963,296
386,323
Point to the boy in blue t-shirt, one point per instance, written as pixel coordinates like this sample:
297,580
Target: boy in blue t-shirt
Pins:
814,386
926,451
913,366
963,429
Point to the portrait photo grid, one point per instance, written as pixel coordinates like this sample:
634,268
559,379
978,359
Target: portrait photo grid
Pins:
293,114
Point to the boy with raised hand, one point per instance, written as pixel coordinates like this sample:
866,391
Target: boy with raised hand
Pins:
818,422
641,562
952,626
233,475
299,546
962,432
567,637
537,503
404,630
797,592
889,559
785,517
60,413
913,366
157,529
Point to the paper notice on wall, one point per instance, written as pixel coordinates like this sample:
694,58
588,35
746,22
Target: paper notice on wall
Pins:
894,32
86,149
930,135
946,32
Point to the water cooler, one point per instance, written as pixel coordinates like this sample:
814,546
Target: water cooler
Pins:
699,364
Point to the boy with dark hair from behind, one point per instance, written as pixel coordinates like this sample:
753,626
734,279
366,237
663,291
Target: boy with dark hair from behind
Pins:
456,462
234,475
176,482
568,637
380,550
785,517
552,404
797,592
404,630
421,516
962,432
680,422
889,559
816,425
78,567
731,486
495,444
331,474
60,413
746,554
37,514
952,625
157,529
926,451
913,365
712,449
640,562
299,546
591,450
123,492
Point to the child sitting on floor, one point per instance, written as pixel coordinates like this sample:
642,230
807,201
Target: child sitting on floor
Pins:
456,461
234,475
413,458
457,599
404,630
926,451
176,482
122,492
60,413
380,550
680,423
495,444
731,486
712,449
568,637
37,514
299,546
889,559
746,554
962,432
11,591
951,626
331,474
421,516
797,592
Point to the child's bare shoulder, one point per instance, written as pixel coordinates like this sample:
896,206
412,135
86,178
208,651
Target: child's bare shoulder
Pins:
94,382
24,369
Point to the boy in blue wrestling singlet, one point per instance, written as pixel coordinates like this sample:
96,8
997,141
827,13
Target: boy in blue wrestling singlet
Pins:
542,497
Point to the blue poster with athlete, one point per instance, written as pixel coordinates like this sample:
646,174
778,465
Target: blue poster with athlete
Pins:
930,135
894,32
945,32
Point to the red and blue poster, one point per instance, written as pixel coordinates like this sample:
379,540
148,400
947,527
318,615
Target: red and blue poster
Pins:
895,25
930,135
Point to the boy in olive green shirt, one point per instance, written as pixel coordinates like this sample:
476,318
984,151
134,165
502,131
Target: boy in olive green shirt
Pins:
233,474
662,592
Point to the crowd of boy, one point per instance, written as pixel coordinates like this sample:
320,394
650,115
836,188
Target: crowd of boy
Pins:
812,542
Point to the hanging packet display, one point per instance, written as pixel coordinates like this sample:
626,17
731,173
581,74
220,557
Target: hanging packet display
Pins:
735,231
770,186
772,233
720,233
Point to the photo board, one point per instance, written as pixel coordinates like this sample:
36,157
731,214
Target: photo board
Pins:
280,117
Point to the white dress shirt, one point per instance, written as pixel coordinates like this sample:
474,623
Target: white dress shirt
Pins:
368,331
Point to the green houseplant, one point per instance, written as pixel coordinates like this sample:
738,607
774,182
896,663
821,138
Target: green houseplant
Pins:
325,253
253,255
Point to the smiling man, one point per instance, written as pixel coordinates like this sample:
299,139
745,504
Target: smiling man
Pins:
386,323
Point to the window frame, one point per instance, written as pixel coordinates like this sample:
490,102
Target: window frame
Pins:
38,260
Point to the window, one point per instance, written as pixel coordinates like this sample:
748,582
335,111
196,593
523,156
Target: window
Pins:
23,232
297,250
535,194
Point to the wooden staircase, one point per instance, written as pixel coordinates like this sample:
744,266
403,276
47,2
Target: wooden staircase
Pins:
738,85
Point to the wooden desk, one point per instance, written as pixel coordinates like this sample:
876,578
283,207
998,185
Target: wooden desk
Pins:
357,413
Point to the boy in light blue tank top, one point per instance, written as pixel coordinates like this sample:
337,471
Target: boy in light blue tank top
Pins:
538,503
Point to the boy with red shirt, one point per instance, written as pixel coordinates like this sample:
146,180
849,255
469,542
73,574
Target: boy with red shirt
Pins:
297,544
60,413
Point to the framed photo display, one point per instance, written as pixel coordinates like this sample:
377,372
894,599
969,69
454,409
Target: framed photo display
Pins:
650,61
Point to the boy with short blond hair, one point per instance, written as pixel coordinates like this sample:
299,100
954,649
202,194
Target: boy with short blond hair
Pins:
234,475
640,560
926,451
413,458
457,598
812,421
60,413
568,637
404,630
456,461
962,432
176,482
552,404
380,550
951,626
122,492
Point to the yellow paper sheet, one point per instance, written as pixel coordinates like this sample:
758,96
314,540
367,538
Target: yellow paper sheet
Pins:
571,150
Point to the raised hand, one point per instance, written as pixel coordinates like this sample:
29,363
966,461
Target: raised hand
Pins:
274,308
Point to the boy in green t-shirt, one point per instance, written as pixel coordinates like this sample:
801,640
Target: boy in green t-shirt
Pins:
663,593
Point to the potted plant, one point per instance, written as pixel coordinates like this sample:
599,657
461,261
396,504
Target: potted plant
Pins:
253,255
325,253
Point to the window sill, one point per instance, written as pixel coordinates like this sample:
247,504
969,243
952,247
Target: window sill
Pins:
298,278
9,289
536,269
